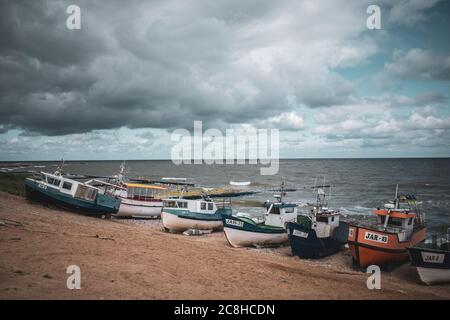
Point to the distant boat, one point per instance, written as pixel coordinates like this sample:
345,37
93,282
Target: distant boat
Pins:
179,215
318,234
243,231
400,225
432,260
174,179
244,183
71,194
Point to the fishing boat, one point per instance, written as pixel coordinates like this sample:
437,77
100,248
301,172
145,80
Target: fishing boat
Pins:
319,233
68,193
399,225
138,200
179,215
432,260
242,230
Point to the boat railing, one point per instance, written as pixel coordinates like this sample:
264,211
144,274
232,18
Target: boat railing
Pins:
221,204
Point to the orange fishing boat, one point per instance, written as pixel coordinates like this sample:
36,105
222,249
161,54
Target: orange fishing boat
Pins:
400,225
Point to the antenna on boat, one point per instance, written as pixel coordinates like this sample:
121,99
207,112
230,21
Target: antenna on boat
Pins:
59,169
122,173
329,197
396,197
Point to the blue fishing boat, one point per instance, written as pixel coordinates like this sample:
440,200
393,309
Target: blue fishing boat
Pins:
432,259
318,234
179,215
71,194
243,230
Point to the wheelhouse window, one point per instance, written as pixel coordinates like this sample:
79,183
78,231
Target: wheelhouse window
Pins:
210,206
275,210
86,193
53,181
395,222
67,185
182,204
322,219
289,210
203,206
169,204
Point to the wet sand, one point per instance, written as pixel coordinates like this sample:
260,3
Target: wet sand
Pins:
126,259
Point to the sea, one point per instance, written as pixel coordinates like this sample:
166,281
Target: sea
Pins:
357,185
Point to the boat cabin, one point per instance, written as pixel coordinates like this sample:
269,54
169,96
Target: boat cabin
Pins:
278,213
399,216
143,192
324,221
200,206
67,186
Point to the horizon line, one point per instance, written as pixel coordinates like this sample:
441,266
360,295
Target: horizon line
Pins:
224,160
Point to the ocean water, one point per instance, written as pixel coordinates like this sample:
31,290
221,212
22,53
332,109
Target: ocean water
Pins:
358,185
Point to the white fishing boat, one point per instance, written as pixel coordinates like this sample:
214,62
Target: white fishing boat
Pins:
245,231
71,194
179,215
432,260
138,200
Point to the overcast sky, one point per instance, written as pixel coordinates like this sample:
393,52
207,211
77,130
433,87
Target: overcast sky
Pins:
137,70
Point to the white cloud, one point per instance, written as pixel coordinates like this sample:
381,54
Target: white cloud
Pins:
419,64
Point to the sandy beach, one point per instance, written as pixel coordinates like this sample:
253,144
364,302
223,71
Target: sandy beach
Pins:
123,259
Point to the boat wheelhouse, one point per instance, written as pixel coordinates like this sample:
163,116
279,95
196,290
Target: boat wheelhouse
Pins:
400,225
179,215
69,193
241,230
319,233
432,259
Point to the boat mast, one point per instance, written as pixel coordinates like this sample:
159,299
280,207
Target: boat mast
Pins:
396,204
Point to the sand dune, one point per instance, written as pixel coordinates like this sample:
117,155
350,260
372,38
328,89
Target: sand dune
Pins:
136,260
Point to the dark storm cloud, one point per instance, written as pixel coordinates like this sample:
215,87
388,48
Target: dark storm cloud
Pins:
162,64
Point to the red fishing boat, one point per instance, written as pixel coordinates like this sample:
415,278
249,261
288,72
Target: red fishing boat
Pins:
400,225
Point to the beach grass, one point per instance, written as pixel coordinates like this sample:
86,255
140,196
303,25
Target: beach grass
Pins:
13,183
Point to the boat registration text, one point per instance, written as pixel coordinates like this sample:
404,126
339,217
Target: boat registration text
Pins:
376,237
234,223
432,257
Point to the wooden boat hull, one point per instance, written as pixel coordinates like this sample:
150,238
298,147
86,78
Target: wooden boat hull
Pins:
370,246
239,233
433,266
103,205
306,245
139,209
180,223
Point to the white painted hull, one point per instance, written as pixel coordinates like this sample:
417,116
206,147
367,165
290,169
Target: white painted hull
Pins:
139,209
433,276
176,224
241,238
